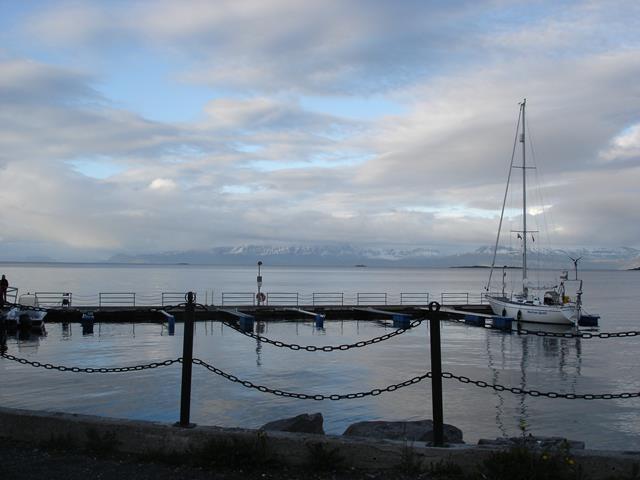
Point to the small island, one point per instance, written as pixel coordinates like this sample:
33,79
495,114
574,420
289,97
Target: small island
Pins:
508,267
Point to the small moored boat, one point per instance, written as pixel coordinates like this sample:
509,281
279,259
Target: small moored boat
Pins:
26,315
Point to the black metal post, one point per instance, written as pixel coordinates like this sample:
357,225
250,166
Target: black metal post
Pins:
3,334
436,374
187,363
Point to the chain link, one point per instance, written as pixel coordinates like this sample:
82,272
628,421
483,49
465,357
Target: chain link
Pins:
412,381
26,307
585,335
325,348
62,368
303,396
538,393
182,305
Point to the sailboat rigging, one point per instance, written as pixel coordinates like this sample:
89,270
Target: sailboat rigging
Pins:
554,306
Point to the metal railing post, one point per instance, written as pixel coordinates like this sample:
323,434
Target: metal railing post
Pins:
187,363
436,374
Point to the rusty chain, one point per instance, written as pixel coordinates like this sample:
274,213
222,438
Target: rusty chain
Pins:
325,348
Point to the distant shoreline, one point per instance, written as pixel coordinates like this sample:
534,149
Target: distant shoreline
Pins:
486,266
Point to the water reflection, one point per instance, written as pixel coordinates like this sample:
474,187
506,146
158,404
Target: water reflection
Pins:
526,361
260,330
28,342
495,378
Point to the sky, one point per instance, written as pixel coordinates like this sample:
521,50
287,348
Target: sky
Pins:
152,126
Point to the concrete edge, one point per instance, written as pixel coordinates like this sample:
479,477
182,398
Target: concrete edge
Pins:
144,437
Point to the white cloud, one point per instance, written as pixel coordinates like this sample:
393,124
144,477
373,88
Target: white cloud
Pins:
162,184
624,146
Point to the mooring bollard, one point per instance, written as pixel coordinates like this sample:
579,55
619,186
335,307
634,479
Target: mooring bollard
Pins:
171,324
187,363
436,374
87,323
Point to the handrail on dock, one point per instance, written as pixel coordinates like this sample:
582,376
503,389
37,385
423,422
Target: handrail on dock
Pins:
169,298
371,299
328,298
448,298
238,298
415,298
283,298
12,294
126,299
248,298
54,299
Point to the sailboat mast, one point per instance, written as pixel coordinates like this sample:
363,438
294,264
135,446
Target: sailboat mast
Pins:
524,202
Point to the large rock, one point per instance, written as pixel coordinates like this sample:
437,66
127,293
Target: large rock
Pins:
304,423
543,443
419,431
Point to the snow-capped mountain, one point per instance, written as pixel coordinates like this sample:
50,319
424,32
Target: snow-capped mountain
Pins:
617,258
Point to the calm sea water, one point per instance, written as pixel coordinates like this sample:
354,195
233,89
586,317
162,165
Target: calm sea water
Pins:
546,364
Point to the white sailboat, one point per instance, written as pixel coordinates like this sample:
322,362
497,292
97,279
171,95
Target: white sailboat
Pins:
531,304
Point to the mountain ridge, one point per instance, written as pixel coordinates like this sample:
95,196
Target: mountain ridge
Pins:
349,255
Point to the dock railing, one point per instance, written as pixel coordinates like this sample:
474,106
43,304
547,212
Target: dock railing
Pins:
54,299
276,298
117,299
238,298
283,299
12,295
172,298
414,298
454,298
327,298
371,299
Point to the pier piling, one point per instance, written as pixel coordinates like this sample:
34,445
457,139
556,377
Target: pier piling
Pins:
436,374
187,360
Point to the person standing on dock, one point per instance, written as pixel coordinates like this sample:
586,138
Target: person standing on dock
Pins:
4,286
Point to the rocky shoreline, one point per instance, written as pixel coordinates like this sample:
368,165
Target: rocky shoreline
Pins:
59,445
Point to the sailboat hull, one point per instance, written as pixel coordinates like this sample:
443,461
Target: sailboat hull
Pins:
528,312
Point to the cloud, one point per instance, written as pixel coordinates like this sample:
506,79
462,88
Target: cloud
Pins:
162,184
256,166
624,146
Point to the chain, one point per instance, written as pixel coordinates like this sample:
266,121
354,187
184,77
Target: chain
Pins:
326,348
62,368
182,305
538,393
26,307
377,391
585,335
303,396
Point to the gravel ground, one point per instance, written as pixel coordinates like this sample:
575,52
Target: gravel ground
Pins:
20,461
